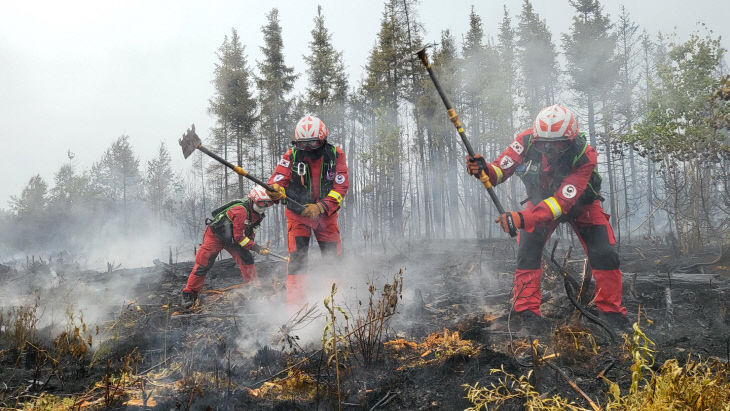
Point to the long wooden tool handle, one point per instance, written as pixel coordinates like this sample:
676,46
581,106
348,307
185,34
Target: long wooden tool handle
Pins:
483,177
243,173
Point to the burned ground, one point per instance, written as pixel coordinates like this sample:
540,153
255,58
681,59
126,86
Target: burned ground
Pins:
231,351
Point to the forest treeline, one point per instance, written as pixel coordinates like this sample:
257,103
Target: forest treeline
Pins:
654,105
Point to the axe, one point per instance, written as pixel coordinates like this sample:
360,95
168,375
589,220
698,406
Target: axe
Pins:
190,141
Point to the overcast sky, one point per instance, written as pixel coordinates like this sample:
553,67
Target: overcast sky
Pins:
75,75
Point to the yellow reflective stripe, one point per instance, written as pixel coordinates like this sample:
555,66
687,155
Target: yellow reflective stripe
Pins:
498,171
554,207
334,194
245,241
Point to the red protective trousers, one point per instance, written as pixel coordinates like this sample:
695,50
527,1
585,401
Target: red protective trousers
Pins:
299,231
205,258
596,235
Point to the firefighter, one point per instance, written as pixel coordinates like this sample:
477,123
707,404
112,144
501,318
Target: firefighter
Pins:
232,228
314,173
558,169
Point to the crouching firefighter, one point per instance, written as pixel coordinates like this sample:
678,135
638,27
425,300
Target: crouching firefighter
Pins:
314,173
558,169
233,229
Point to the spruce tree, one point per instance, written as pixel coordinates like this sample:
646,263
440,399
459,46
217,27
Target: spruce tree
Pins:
274,85
233,105
32,200
159,182
590,53
116,176
538,61
326,93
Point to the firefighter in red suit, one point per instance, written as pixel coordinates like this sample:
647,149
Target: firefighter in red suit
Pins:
232,229
558,168
314,173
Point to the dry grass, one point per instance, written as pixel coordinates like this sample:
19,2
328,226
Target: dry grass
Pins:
366,336
575,344
696,385
297,385
510,387
435,349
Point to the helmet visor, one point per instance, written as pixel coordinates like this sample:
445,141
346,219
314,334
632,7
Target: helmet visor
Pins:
549,147
264,203
307,144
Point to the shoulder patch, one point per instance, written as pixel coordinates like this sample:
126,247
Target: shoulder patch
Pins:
278,177
506,162
284,162
517,147
340,178
569,191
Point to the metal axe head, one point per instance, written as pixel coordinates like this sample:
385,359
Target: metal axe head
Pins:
189,141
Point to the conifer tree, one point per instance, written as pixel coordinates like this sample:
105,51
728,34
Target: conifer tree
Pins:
274,85
233,105
326,93
116,176
590,53
538,61
160,181
32,199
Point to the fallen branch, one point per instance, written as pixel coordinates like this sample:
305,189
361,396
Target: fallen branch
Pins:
573,385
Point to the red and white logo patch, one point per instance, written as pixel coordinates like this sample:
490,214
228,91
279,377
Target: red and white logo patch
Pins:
278,177
517,147
569,191
284,162
506,162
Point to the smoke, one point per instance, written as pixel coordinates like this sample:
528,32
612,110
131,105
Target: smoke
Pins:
425,279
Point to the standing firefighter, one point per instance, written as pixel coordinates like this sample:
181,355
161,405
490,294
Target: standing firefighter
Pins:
233,229
558,168
314,173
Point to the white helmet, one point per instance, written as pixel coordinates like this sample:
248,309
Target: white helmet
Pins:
310,129
259,197
555,123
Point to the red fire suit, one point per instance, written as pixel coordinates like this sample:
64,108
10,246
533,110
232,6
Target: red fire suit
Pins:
233,234
562,189
311,178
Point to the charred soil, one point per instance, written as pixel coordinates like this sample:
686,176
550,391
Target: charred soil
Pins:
239,348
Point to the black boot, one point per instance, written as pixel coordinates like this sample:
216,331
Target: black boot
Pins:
188,299
617,321
528,323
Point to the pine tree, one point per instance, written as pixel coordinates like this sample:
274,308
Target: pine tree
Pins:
32,200
160,181
628,79
233,105
274,84
326,93
70,189
386,85
591,64
116,176
590,53
538,61
508,58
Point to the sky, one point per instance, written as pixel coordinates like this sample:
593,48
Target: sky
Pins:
77,74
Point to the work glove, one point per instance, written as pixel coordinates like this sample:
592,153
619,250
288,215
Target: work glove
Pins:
277,194
260,249
475,165
511,221
313,210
